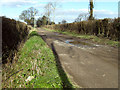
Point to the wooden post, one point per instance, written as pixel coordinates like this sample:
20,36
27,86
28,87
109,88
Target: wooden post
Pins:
91,10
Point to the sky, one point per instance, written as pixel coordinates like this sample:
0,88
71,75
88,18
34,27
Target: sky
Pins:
66,9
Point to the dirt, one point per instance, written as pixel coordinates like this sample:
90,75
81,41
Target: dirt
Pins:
88,67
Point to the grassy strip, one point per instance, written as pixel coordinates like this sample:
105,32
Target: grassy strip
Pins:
36,60
89,37
33,29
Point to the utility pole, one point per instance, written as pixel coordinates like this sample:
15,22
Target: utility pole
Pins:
91,10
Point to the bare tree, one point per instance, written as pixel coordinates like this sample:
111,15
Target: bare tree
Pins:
50,8
83,16
79,18
54,7
48,11
28,15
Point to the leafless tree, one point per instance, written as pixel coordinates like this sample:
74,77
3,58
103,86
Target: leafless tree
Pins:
54,7
48,10
81,17
29,15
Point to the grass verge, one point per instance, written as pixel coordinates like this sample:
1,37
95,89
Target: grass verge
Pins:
88,37
36,62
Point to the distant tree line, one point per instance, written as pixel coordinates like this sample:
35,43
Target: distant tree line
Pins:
44,21
29,15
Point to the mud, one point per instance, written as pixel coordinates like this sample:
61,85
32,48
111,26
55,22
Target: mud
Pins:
80,43
93,67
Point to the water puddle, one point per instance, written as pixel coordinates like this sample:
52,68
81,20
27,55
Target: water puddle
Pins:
56,34
80,43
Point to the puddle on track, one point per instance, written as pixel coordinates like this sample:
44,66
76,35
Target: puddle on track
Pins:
80,43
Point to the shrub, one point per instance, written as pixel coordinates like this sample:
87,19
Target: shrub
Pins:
108,28
13,33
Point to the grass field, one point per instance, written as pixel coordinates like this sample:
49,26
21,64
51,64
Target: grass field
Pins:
36,61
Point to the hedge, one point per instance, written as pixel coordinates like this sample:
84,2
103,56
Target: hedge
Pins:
109,28
13,33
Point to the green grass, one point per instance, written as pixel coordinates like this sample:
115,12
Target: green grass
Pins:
93,38
35,59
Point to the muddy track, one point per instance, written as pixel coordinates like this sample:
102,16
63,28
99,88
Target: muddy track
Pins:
88,65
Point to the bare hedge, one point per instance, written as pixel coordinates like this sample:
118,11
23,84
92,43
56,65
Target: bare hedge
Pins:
109,28
13,33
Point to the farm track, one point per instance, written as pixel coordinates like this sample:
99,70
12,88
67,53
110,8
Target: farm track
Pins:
87,67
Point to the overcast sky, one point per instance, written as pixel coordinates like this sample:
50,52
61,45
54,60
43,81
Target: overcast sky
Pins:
67,9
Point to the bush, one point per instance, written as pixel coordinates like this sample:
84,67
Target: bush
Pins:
108,28
13,33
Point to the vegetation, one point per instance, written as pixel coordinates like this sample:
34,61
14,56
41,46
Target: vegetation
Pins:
35,60
13,34
48,11
93,38
91,10
81,17
64,21
43,21
107,28
50,8
46,20
29,15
